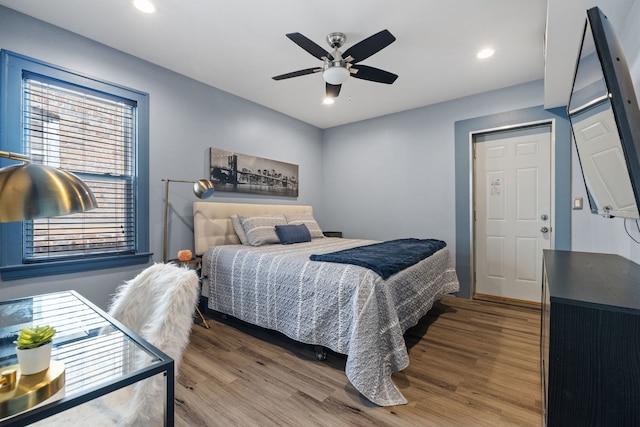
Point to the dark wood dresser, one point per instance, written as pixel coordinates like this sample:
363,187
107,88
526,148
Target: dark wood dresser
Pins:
590,340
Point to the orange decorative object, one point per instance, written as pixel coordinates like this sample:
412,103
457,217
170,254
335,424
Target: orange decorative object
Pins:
184,255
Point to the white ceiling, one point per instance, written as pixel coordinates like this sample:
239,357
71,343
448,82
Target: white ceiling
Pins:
238,45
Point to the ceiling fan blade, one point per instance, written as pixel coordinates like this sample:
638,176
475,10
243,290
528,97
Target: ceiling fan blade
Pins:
309,46
367,47
298,73
333,90
365,72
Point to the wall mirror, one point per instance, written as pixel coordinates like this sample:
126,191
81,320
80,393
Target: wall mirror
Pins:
605,121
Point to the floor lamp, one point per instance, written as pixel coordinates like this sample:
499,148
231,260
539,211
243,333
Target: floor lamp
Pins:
29,191
203,189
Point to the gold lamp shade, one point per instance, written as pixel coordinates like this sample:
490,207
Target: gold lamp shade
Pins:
30,191
203,188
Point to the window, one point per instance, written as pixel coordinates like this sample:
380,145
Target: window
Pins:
96,130
93,138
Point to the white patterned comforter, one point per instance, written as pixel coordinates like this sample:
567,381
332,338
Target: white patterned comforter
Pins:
346,308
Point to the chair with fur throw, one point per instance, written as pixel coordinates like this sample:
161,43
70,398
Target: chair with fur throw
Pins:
158,305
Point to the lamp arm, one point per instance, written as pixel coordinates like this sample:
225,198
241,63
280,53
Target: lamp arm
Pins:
15,156
177,180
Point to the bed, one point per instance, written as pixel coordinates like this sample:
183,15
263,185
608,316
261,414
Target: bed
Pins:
346,308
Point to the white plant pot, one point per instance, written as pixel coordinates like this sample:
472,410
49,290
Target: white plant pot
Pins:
34,360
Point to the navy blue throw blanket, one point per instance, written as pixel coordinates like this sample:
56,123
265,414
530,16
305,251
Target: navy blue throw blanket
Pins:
385,258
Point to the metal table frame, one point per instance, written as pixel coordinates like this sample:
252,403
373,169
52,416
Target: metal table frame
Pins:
164,364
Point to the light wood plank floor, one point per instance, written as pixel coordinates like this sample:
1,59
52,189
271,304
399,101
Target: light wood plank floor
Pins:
472,363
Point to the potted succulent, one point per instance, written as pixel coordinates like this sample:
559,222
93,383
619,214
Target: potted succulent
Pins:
33,348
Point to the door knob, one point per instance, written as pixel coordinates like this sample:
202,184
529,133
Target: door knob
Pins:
544,229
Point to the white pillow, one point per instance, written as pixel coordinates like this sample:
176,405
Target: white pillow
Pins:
235,221
308,220
261,229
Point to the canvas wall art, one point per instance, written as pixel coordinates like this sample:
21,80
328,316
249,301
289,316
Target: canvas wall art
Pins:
241,173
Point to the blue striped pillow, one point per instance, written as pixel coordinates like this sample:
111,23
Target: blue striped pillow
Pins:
259,228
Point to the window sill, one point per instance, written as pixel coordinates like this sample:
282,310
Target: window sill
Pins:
25,271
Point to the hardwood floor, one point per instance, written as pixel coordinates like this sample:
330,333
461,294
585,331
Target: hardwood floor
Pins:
473,363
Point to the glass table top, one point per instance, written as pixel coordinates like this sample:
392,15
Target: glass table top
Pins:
96,352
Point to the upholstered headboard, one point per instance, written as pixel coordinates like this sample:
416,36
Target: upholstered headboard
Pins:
212,226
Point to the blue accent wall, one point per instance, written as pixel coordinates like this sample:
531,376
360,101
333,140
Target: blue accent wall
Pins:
562,154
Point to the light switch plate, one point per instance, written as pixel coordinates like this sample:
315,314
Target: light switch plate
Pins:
577,203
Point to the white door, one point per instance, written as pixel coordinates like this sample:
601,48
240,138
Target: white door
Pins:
512,196
603,163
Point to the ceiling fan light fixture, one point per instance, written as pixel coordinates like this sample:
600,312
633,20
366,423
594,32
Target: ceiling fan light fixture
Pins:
144,6
485,53
328,101
338,66
335,75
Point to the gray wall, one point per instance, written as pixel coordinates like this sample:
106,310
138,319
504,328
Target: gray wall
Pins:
187,118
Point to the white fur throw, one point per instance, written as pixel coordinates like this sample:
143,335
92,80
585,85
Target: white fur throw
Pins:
158,305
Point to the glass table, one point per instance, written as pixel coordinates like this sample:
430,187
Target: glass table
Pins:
99,354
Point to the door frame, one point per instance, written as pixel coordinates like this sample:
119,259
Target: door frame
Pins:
472,174
561,187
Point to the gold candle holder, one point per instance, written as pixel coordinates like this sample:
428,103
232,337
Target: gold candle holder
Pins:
21,392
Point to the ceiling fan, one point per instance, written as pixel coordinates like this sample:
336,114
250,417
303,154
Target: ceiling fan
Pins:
339,66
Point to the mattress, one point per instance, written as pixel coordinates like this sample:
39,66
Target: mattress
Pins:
346,308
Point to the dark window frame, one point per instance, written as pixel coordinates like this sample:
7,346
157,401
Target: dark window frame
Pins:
14,67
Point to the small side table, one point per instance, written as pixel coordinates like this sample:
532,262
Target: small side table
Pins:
193,264
332,233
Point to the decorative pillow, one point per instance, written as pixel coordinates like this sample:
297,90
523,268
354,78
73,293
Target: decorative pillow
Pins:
308,220
260,229
235,221
293,233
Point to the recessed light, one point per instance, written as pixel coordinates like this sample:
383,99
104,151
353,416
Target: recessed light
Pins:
328,101
144,6
485,53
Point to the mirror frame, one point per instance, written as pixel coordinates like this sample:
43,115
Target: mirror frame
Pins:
622,98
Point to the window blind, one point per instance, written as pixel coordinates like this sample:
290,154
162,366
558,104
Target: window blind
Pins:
93,136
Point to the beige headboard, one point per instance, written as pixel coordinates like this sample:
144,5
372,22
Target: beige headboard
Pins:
212,226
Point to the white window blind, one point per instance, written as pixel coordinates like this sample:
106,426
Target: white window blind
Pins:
93,136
